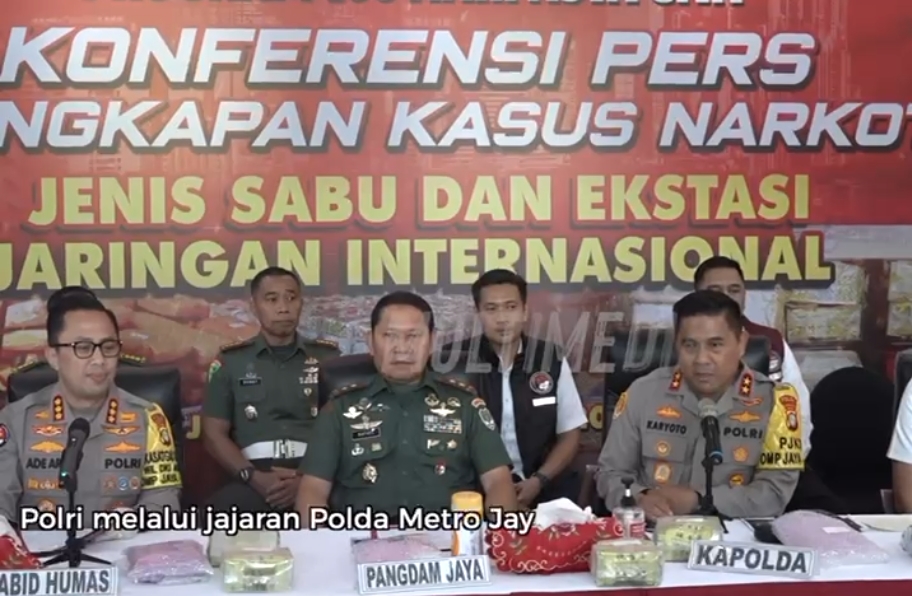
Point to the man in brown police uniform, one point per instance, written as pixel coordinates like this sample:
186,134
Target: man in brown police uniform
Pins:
656,436
263,399
410,438
129,457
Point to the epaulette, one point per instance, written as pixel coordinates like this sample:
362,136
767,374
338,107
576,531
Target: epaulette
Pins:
132,359
459,384
325,343
346,389
237,345
28,365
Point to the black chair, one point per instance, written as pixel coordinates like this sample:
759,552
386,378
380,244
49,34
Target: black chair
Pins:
157,384
902,375
853,411
635,354
359,369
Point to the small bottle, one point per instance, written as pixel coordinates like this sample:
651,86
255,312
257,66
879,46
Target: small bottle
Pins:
629,519
468,536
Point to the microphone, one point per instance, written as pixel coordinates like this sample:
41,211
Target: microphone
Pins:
72,454
709,424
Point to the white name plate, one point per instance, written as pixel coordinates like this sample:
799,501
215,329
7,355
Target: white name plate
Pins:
92,581
753,558
424,574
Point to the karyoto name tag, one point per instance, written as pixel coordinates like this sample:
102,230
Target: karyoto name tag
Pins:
424,574
99,581
753,558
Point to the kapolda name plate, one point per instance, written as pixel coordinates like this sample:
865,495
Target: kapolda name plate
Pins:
753,558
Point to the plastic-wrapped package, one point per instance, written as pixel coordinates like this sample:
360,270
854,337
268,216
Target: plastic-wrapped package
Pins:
906,541
837,544
167,563
395,548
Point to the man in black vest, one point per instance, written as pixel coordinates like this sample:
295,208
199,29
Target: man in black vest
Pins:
529,389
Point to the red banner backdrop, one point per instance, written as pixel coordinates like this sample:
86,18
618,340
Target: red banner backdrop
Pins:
161,152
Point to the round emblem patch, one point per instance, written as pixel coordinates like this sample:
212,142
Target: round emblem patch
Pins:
736,480
663,448
46,505
4,435
541,383
662,473
214,368
487,419
741,454
620,406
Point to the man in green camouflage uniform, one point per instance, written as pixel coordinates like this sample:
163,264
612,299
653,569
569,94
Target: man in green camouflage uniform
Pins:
263,399
409,438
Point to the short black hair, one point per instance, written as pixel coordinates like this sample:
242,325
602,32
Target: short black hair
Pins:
75,302
708,303
499,277
716,262
62,293
402,299
272,271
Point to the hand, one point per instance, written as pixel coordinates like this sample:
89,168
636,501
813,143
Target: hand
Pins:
527,491
262,482
683,500
654,505
285,491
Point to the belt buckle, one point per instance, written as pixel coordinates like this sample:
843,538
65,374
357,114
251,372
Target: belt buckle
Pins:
280,449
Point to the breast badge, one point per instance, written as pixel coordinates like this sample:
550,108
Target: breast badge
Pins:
744,417
375,447
454,402
351,413
4,435
440,469
432,443
47,447
736,480
121,431
451,445
122,447
369,473
663,448
662,473
442,411
668,412
432,400
47,430
357,450
250,413
741,454
541,383
46,505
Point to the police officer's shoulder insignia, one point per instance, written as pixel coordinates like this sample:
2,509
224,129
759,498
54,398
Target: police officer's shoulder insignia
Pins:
237,345
325,343
677,378
214,368
346,389
621,406
479,403
132,359
28,365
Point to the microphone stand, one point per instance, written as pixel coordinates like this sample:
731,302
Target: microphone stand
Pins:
707,507
72,550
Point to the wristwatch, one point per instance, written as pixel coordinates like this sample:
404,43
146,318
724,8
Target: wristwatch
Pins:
246,474
542,479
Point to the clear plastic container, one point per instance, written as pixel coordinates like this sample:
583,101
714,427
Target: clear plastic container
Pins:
220,543
469,540
674,535
628,562
258,571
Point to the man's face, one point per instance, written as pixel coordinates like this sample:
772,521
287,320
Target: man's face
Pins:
277,305
709,353
503,313
724,280
401,343
88,377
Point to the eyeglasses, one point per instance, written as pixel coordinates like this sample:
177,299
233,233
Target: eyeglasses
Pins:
110,348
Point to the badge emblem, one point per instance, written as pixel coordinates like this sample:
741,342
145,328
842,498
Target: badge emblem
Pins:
135,483
311,360
442,411
308,392
790,403
431,443
165,437
357,450
432,400
314,411
487,419
744,417
736,480
451,445
351,413
740,454
250,412
663,448
4,435
662,473
46,505
541,383
453,402
668,412
440,469
369,473
375,447
620,406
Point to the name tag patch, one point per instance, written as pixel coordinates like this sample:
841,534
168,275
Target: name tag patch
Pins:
436,424
249,381
371,433
544,401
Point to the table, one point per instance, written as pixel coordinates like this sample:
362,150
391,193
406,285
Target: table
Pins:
323,567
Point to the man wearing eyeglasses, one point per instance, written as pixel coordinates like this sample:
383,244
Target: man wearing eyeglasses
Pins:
128,458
